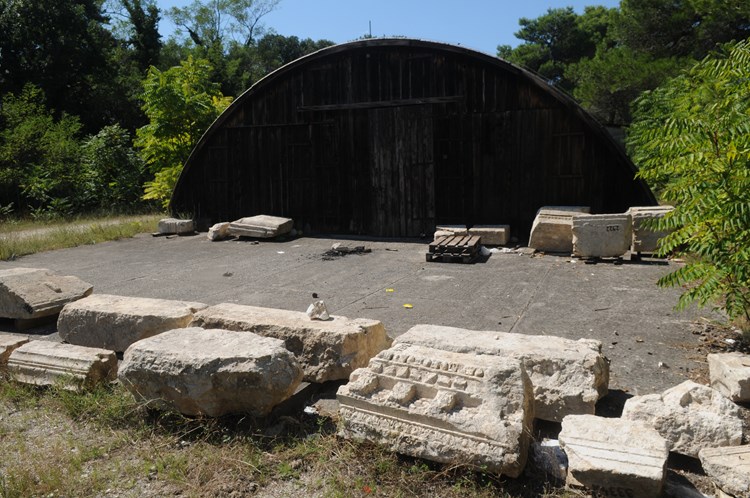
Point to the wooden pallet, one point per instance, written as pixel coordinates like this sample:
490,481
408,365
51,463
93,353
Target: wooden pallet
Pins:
454,249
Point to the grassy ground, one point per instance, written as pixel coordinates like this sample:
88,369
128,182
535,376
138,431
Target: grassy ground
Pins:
20,238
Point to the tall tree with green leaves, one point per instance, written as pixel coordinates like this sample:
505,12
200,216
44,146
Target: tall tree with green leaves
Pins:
691,139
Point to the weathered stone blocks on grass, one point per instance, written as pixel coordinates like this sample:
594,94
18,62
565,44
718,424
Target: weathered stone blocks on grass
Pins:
29,293
552,230
261,226
730,375
9,343
327,350
210,372
690,416
116,322
644,238
729,468
614,457
442,406
170,226
45,363
601,235
568,376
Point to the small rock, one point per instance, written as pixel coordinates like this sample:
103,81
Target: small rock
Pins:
730,375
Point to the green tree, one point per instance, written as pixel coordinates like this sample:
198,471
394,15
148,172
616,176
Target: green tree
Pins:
143,33
691,138
180,103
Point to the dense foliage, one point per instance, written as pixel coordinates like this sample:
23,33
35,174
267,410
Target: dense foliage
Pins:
691,137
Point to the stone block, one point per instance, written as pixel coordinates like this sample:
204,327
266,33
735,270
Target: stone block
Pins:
689,416
644,239
552,230
601,235
451,230
218,231
8,343
171,226
46,363
30,293
328,350
116,322
442,406
568,376
729,468
210,372
730,375
492,235
614,457
261,226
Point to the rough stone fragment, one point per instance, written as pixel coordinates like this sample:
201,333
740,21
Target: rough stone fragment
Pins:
730,375
328,350
168,226
729,468
601,235
261,226
568,376
210,372
8,343
451,230
442,406
645,239
116,322
552,228
218,231
28,293
45,363
614,457
492,235
689,416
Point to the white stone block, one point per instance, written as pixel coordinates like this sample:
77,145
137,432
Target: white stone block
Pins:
614,457
442,406
492,235
8,343
645,240
45,363
218,231
730,375
328,350
568,376
261,226
210,372
28,293
169,226
116,322
601,235
729,468
689,416
552,228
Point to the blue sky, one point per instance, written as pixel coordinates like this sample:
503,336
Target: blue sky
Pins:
477,24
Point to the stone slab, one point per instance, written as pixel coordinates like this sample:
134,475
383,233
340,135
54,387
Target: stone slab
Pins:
645,239
261,226
568,376
327,349
442,406
116,322
729,468
730,375
451,230
8,343
45,363
690,416
170,226
601,235
29,293
492,235
552,230
218,231
210,372
614,457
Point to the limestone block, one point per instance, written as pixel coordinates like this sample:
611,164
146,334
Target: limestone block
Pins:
218,231
8,343
568,376
730,375
452,230
601,235
45,363
27,293
328,350
170,226
689,416
492,235
442,406
210,372
116,322
645,239
552,228
261,226
729,468
614,457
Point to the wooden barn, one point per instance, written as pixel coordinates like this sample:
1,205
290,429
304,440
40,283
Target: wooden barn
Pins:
389,137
